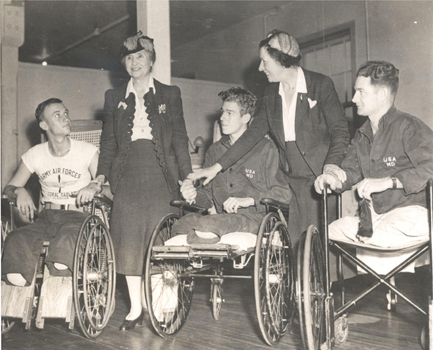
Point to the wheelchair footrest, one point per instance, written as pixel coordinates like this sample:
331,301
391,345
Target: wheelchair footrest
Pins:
16,300
194,251
56,298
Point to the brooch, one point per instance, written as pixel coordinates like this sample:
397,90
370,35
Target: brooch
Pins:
122,104
161,108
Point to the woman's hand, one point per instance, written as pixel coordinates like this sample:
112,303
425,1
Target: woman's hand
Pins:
232,204
86,194
335,170
207,173
188,190
327,179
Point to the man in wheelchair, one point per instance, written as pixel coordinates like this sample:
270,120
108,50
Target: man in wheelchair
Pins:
240,188
390,160
65,168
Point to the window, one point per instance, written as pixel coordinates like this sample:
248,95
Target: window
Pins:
332,54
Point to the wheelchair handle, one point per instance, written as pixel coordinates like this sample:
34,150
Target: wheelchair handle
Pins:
188,207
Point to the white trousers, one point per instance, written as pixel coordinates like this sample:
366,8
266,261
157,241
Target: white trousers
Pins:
397,228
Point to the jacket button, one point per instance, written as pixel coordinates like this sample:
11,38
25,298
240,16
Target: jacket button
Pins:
231,169
152,124
303,153
231,185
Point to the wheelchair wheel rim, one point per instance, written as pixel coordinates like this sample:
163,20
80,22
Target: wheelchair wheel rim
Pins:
279,278
270,332
313,289
94,277
174,280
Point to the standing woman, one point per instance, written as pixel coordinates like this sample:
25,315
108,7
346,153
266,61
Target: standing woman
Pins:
144,153
302,113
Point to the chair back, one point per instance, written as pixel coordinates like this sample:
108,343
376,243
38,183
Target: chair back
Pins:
88,130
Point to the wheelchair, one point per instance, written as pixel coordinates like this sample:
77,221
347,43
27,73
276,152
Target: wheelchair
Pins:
89,294
172,268
322,326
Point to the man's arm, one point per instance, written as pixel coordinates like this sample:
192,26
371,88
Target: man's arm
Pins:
418,146
15,190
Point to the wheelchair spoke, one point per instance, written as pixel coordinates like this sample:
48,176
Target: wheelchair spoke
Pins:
273,279
94,277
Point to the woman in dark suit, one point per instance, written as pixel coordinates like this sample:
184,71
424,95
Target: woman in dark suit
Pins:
144,153
302,113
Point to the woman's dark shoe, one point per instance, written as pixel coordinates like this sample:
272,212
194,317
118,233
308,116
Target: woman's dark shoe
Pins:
127,325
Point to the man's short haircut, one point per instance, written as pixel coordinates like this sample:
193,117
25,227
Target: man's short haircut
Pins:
138,43
245,99
380,73
41,107
291,45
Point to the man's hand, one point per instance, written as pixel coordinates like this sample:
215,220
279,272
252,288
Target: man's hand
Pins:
368,186
207,173
232,204
86,194
327,179
25,203
335,170
188,190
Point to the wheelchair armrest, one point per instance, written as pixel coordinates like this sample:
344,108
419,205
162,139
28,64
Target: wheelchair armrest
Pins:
188,207
6,198
103,200
274,203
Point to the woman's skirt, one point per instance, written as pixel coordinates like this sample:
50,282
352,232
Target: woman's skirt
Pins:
142,198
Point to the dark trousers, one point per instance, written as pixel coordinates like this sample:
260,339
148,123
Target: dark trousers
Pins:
24,245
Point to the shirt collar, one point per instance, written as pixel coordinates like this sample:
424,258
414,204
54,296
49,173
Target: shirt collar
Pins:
383,123
130,87
301,83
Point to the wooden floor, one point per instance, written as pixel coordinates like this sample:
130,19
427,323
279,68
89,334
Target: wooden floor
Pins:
371,326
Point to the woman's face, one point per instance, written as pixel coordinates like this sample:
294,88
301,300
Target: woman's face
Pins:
272,69
138,64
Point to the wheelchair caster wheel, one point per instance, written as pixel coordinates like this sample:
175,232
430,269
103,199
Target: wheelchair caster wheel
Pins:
7,324
424,338
217,301
392,301
341,329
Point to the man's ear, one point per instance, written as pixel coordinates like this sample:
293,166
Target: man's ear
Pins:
246,118
384,93
43,125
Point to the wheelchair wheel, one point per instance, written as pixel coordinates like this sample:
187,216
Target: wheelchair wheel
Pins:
273,279
217,300
313,289
299,297
169,285
7,322
94,277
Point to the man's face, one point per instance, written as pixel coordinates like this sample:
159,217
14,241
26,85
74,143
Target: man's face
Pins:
138,64
367,97
270,67
231,120
55,119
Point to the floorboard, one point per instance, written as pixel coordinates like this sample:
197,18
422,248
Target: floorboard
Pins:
371,326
